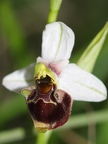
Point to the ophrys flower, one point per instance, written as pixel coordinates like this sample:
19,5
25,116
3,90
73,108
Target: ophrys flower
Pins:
56,82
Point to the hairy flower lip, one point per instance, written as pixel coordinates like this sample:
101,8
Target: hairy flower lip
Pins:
51,109
49,114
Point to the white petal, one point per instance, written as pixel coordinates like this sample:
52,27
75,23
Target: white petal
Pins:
81,85
57,42
19,79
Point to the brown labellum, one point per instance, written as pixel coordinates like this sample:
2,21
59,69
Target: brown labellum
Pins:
48,107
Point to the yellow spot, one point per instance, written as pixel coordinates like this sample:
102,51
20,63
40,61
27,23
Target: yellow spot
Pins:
25,92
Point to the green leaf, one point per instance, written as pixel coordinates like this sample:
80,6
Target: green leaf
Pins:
102,72
90,55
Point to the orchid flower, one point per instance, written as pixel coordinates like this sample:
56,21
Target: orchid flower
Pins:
51,85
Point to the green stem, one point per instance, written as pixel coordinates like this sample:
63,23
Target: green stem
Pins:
42,138
54,9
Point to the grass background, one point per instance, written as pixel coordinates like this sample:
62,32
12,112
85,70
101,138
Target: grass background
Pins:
21,26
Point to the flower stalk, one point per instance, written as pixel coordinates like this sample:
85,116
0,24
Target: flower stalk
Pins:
54,9
42,138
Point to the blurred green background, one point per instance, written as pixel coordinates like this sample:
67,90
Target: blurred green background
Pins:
21,26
